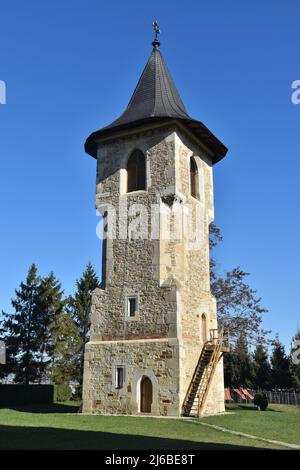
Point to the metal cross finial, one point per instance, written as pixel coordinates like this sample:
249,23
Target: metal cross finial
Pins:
157,32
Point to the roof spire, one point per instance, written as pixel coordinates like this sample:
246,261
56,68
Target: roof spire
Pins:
156,100
157,31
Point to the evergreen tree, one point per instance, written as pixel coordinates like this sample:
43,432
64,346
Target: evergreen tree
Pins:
41,337
238,366
80,305
62,340
262,369
280,371
244,363
51,303
65,348
23,331
231,372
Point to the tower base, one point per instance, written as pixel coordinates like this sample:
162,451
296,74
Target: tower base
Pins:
148,383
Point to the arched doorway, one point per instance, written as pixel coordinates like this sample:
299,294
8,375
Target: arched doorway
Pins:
203,328
146,395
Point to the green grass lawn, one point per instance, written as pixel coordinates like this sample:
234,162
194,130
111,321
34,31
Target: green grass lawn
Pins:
59,427
278,422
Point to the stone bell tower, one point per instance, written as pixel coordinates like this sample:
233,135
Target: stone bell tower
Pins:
153,317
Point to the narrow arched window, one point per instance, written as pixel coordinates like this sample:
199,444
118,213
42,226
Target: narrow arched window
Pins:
203,328
194,178
136,171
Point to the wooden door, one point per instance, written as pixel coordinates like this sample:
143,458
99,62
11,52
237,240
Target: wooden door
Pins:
146,395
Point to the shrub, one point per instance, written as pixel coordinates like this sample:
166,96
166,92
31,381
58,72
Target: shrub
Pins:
261,401
62,392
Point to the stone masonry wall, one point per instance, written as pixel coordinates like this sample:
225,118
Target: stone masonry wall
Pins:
169,277
189,268
132,266
158,360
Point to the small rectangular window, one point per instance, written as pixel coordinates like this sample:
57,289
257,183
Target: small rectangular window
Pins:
132,306
119,379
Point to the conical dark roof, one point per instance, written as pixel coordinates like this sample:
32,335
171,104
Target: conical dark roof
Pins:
156,98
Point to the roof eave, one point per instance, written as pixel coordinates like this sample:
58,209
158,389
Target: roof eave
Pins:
203,135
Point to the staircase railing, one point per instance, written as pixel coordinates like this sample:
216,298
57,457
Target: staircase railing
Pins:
208,374
193,379
217,335
217,338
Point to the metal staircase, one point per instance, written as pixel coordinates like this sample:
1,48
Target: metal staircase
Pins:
211,353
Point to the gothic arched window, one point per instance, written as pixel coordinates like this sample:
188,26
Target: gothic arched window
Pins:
194,178
136,171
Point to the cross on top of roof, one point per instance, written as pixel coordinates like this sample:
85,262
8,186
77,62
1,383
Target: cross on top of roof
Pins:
157,32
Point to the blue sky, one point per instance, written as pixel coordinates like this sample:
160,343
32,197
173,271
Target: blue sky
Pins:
71,66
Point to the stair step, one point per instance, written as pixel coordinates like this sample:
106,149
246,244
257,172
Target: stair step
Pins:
201,380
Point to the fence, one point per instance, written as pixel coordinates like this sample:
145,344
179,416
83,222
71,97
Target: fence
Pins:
274,396
283,398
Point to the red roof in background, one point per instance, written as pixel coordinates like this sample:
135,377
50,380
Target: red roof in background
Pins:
236,390
228,397
248,394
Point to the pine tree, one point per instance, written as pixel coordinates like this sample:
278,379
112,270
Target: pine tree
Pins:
65,348
80,305
238,365
262,369
244,363
231,372
62,340
280,371
41,337
23,331
51,304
